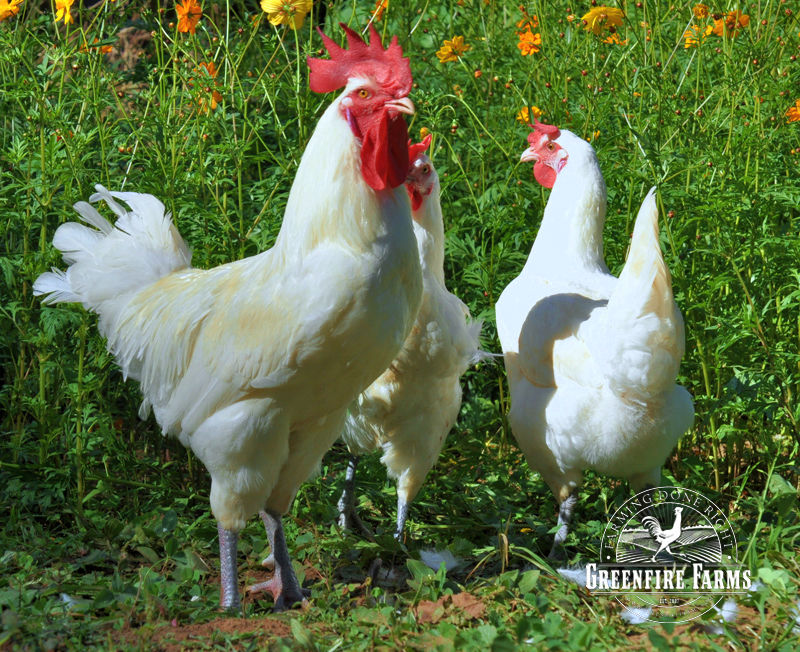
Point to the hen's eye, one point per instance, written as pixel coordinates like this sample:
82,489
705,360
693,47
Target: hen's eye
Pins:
363,93
551,146
426,169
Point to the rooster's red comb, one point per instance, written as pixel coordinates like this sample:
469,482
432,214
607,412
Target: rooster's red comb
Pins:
540,128
388,67
415,149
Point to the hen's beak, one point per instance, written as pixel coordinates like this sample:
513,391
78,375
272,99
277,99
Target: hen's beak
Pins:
403,105
529,155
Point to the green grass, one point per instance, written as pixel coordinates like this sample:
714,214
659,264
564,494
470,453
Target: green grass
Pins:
96,505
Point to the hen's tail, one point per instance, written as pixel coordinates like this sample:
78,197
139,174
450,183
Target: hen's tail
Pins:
107,263
643,338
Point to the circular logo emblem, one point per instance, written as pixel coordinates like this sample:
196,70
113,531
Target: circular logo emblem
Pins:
670,551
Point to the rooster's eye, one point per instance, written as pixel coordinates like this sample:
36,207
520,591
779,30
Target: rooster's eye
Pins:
551,146
363,93
426,169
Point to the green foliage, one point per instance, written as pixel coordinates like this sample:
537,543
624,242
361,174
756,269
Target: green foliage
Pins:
106,523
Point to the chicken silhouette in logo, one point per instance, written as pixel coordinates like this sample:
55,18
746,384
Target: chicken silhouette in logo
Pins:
664,537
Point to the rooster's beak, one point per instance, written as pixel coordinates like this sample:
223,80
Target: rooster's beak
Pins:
403,105
528,155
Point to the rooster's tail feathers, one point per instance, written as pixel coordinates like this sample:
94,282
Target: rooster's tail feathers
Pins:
652,526
108,262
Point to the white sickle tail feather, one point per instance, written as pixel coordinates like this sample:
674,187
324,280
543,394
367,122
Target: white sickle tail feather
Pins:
107,264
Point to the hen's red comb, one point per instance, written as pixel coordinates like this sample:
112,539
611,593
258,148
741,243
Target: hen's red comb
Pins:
415,149
539,128
388,67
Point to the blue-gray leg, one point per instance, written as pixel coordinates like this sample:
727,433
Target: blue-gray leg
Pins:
229,575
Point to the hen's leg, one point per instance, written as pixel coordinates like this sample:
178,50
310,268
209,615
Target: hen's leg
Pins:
402,515
564,517
269,561
284,586
229,576
348,517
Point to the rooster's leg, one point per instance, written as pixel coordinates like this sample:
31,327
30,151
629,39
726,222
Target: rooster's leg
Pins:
564,516
229,576
402,515
284,586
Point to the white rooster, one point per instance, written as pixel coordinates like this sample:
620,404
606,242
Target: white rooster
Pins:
591,359
410,408
252,364
664,538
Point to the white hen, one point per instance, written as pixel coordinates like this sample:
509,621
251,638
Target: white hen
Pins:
410,408
591,359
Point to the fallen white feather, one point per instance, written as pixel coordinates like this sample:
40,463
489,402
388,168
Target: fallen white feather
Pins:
636,615
574,575
435,558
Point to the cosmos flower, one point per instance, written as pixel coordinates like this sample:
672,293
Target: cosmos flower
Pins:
189,14
793,113
599,19
452,49
63,11
696,35
9,8
700,11
529,43
287,12
731,23
524,114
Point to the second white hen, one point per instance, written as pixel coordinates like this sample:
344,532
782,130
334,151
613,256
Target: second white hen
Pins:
408,410
591,359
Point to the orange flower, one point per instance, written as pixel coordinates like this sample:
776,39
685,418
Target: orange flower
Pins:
380,8
793,113
205,71
105,49
9,8
524,114
189,14
614,39
700,11
527,22
452,49
696,35
730,23
529,43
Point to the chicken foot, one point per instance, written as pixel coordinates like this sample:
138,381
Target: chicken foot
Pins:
229,574
348,517
565,510
283,586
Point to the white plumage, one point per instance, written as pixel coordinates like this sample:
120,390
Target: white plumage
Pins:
592,359
408,411
252,364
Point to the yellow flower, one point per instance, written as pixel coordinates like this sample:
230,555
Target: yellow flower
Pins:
423,132
615,40
598,19
594,136
9,8
189,14
696,35
793,113
380,7
524,114
63,11
700,11
529,43
730,23
287,12
452,49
